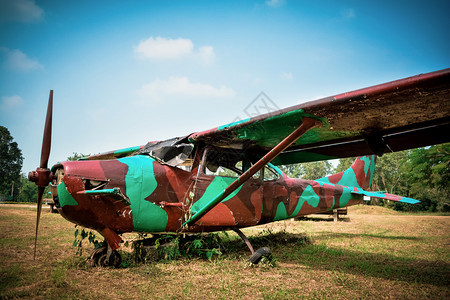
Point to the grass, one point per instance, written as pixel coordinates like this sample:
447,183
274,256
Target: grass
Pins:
373,253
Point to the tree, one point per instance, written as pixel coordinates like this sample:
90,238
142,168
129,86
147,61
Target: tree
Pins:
310,170
293,170
29,193
344,164
428,177
390,173
29,190
11,160
77,156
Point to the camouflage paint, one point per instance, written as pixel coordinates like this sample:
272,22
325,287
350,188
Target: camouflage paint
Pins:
215,189
308,196
127,150
232,124
360,174
65,198
113,191
140,183
275,168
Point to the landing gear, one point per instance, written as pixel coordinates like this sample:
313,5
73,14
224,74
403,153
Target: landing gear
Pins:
105,257
259,254
256,255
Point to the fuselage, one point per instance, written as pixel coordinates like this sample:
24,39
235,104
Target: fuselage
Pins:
138,193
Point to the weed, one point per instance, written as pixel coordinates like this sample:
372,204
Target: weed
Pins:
171,247
10,277
80,236
59,276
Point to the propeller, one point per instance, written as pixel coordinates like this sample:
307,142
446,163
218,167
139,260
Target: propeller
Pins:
42,176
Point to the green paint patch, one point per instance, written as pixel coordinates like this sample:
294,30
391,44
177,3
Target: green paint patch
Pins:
215,188
349,178
308,196
281,213
141,183
271,131
65,198
232,124
345,197
372,170
366,161
127,150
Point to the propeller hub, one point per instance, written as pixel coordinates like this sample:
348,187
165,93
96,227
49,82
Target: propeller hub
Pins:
42,176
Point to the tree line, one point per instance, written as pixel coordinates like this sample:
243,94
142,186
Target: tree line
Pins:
421,173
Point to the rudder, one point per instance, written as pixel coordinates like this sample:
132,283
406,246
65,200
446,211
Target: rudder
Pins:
360,173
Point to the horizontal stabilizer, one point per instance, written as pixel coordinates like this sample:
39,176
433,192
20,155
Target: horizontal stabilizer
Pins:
386,196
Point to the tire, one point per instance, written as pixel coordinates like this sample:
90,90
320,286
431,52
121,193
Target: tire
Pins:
114,260
259,254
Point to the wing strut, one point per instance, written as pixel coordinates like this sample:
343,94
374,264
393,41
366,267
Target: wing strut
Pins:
307,124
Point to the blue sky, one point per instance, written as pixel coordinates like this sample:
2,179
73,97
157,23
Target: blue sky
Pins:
128,72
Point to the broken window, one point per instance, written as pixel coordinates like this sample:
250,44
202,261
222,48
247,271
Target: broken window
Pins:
176,152
225,162
220,162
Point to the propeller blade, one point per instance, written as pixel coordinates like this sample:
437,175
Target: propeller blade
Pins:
39,208
47,139
42,176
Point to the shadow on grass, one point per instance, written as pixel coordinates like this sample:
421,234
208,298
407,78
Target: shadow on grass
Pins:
386,266
321,219
358,235
347,260
298,249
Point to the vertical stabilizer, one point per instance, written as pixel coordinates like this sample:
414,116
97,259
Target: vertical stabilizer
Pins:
360,173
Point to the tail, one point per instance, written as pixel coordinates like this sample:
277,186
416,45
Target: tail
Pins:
359,177
360,174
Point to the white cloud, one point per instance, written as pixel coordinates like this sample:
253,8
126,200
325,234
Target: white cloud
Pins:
165,49
182,88
286,76
207,54
275,3
161,48
11,102
16,60
25,11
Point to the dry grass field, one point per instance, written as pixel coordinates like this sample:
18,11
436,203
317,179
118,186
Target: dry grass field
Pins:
373,253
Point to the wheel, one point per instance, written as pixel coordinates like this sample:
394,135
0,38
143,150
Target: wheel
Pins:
96,254
259,254
114,260
98,258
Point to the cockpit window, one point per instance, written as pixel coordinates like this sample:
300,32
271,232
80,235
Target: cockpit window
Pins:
222,163
271,172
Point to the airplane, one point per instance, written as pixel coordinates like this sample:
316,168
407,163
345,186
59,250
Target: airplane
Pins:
227,178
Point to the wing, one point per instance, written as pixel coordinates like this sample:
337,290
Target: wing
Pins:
398,115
